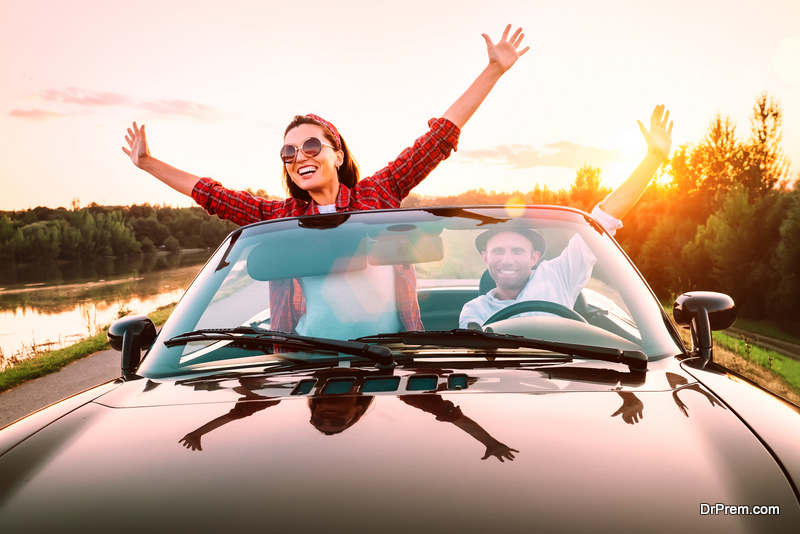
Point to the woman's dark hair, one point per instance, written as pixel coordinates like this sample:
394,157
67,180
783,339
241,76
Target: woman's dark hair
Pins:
362,401
349,173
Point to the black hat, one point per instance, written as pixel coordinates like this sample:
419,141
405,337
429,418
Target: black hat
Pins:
536,239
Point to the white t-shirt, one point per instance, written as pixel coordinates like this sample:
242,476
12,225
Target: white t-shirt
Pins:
558,280
350,304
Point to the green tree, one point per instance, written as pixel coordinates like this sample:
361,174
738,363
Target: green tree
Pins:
658,255
17,245
147,246
172,244
718,158
150,228
765,166
787,259
586,190
6,229
731,252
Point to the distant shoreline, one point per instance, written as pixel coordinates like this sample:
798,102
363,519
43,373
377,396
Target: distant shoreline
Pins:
86,285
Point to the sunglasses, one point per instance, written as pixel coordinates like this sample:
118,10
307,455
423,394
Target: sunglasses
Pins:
310,147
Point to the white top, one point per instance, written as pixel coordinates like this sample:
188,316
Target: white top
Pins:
558,280
350,304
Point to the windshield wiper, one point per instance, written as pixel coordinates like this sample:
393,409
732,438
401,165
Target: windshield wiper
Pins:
462,338
248,334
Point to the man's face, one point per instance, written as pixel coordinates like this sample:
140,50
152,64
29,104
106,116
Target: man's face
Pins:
509,257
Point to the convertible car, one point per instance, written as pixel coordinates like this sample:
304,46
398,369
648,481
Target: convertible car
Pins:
331,373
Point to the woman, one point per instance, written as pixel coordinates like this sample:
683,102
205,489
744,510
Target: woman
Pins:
322,177
334,166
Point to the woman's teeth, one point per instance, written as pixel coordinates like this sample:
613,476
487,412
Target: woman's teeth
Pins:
305,171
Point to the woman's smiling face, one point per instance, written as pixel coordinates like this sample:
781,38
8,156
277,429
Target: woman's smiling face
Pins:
315,174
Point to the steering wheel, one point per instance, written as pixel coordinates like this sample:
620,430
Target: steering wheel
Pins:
535,306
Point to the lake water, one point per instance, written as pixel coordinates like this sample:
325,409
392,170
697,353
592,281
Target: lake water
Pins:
51,306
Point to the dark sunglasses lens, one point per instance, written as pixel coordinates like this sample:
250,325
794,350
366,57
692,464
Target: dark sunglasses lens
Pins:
312,146
288,153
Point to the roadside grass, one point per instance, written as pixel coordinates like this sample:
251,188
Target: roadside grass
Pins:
765,328
772,371
748,359
52,361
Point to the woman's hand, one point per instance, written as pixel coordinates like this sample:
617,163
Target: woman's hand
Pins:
659,138
137,150
192,441
137,145
500,451
504,54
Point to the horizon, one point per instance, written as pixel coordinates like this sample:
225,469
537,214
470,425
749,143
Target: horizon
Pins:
81,206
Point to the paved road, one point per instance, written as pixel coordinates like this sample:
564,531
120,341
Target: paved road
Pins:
74,378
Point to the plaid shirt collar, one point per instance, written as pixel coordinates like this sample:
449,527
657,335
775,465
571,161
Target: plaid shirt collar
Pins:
343,198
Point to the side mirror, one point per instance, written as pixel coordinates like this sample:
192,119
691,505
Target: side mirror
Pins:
703,312
130,335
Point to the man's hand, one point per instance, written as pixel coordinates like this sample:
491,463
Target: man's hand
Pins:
504,54
631,409
659,138
137,145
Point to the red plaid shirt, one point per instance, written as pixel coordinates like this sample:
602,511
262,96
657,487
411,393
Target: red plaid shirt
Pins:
383,190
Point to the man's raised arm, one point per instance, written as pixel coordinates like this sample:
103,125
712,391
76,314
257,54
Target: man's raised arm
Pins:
659,143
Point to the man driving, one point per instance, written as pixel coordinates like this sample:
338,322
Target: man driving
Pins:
511,255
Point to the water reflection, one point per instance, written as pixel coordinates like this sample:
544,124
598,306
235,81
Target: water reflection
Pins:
49,306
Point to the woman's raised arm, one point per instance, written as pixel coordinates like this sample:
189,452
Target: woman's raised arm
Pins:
179,180
502,57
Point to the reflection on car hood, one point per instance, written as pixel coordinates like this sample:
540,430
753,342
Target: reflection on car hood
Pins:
413,461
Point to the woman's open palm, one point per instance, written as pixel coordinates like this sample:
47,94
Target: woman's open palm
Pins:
137,144
505,53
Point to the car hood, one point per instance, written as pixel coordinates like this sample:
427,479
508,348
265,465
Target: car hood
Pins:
587,456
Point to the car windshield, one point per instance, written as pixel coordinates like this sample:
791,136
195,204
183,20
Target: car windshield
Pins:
367,274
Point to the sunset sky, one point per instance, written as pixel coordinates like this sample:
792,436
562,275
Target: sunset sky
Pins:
217,81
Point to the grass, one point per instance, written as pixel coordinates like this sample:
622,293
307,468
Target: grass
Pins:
772,371
52,361
748,357
765,328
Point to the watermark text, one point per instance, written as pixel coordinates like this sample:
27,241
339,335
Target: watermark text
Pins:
726,509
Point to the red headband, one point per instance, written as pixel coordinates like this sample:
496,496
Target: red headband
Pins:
329,126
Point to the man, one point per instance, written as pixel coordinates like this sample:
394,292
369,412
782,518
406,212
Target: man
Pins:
511,255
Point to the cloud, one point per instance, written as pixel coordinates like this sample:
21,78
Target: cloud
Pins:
183,107
559,154
88,100
73,95
35,114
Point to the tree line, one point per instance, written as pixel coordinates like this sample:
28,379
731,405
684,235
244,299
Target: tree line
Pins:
44,234
720,216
